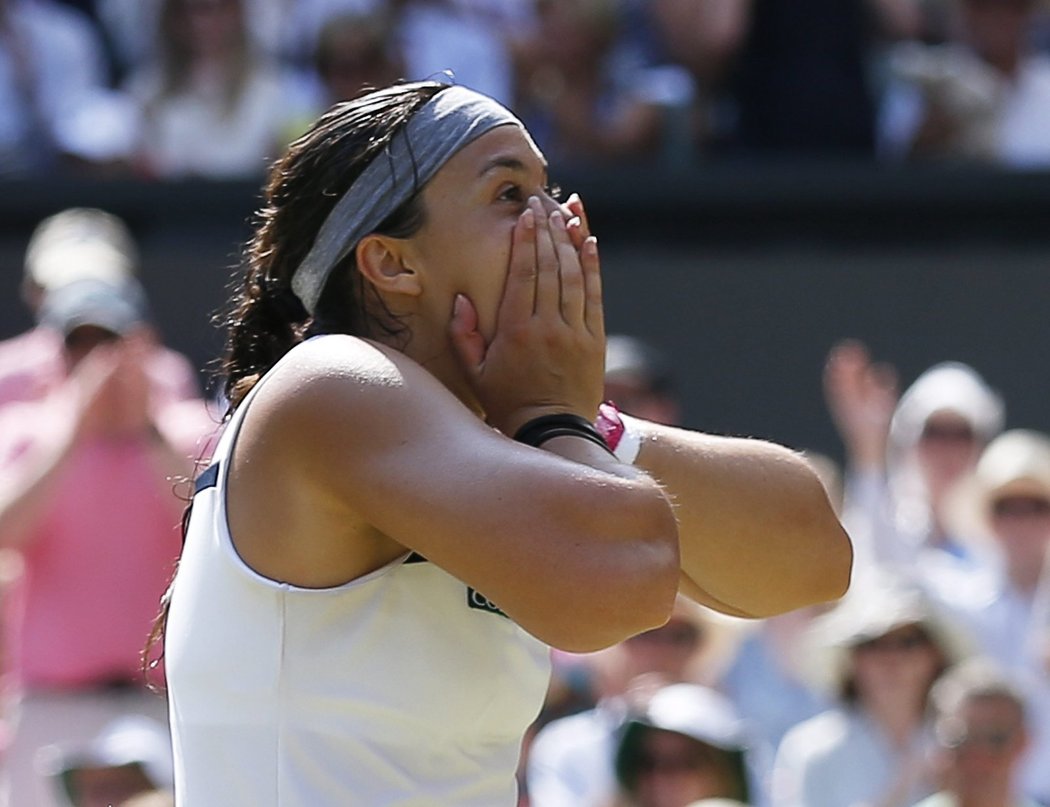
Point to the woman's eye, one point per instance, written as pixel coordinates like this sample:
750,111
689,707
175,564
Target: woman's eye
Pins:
512,193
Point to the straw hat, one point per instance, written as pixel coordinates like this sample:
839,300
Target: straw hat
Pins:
80,243
884,603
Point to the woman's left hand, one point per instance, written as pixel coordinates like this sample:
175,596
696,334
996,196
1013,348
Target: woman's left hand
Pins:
547,354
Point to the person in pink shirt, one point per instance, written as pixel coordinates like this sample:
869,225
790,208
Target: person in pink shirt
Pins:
90,501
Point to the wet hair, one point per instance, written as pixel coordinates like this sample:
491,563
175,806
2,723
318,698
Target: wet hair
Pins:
266,319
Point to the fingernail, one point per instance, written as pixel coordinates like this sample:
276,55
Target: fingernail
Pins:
590,246
528,218
457,305
557,219
573,197
573,222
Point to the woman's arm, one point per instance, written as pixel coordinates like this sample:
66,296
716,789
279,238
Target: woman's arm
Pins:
355,452
757,533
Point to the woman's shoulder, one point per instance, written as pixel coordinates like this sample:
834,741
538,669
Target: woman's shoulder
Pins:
346,380
819,735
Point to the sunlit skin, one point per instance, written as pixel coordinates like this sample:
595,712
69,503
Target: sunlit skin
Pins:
498,296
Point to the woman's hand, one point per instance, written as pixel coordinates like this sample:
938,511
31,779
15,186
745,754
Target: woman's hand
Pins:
548,352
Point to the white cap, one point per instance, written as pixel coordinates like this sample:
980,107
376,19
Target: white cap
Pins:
80,243
128,740
947,387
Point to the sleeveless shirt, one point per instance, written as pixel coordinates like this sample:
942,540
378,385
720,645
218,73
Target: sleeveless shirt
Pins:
401,688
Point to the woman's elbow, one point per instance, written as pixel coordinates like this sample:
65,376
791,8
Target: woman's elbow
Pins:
825,574
620,613
634,593
835,565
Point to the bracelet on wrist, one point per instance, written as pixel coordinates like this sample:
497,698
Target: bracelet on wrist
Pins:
546,427
620,435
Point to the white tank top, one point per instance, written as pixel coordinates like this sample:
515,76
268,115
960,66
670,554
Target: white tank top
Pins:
403,687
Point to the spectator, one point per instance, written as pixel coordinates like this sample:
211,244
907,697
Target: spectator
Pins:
86,497
878,653
905,455
982,738
767,684
465,37
77,244
356,51
428,37
798,71
686,744
210,104
1007,501
130,757
50,57
984,96
570,762
583,96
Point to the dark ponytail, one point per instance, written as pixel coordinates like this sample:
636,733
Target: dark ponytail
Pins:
265,319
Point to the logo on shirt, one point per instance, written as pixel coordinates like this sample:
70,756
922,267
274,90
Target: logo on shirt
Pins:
478,601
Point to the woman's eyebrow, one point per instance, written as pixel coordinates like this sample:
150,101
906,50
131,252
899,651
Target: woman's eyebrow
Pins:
513,163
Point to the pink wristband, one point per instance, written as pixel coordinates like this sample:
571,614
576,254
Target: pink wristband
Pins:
615,429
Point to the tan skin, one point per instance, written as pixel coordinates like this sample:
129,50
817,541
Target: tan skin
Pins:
360,451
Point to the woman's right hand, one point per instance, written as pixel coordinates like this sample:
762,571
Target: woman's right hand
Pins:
547,355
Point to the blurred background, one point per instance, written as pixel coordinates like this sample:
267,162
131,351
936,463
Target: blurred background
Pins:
767,177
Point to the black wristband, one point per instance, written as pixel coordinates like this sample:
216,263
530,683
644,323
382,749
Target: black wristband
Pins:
539,430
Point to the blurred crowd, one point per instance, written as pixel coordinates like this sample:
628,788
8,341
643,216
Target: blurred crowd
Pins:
927,685
215,88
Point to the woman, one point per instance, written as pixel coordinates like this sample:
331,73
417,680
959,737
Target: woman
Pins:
388,566
686,745
879,653
211,103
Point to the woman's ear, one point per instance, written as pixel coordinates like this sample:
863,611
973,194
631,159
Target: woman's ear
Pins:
382,261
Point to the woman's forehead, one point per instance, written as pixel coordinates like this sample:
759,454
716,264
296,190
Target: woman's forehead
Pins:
508,146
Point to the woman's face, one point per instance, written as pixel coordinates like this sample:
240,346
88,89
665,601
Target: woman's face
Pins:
471,207
1021,524
947,449
902,663
675,770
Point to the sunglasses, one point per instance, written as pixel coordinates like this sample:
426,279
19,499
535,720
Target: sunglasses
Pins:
900,642
1020,507
946,433
991,741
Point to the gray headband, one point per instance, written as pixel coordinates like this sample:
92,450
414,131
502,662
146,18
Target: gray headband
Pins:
436,131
